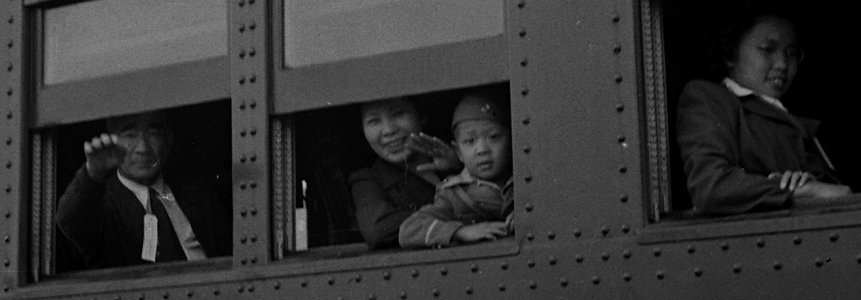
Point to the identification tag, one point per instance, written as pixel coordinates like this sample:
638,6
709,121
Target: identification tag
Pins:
150,240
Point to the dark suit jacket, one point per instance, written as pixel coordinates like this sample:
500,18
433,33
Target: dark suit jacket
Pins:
105,221
729,145
385,195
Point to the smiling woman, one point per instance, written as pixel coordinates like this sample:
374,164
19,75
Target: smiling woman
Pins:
741,148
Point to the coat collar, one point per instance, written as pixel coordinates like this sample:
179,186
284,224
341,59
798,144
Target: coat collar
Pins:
390,174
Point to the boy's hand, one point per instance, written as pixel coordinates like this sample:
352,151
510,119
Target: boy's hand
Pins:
444,155
509,223
480,231
103,155
818,192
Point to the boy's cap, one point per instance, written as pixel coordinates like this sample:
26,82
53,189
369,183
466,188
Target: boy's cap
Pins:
481,107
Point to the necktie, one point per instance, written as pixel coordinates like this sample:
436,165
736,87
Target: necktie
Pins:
169,248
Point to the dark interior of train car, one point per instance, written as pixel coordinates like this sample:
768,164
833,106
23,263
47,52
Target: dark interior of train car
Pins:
331,145
819,91
201,150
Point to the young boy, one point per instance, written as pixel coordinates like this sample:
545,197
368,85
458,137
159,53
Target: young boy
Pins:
476,204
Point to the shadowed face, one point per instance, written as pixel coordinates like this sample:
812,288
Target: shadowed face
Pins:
767,57
145,142
387,126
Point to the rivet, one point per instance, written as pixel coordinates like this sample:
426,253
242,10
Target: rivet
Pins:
166,295
7,239
387,275
698,272
8,141
501,287
552,260
189,294
504,266
215,292
524,92
8,189
6,262
252,52
529,207
626,254
9,116
10,67
415,273
621,138
857,258
372,297
253,131
596,280
241,53
10,43
243,212
577,232
240,289
252,79
468,290
578,258
724,246
656,251
241,27
444,271
403,295
8,214
736,268
760,242
241,3
242,80
252,26
818,262
358,278
530,236
9,92
521,4
623,169
5,289
660,274
524,62
243,133
777,266
244,261
331,281
605,256
253,104
242,106
533,285
243,185
692,249
796,240
243,240
253,158
615,18
626,276
618,79
435,293
254,238
620,107
253,185
530,263
250,2
617,48
304,283
473,268
834,237
242,159
527,149
528,179
605,230
276,286
522,32
253,209
626,228
254,259
526,121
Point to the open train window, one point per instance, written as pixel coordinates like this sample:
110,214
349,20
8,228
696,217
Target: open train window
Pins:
98,60
678,38
325,148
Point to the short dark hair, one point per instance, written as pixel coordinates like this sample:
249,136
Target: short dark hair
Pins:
115,124
724,48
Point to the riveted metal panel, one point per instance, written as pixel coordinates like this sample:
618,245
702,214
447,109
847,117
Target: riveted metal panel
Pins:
250,62
13,145
575,122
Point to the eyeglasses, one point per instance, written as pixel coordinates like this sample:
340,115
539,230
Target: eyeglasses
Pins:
789,53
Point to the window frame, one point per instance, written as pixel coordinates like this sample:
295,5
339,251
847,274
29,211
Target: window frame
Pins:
657,195
171,86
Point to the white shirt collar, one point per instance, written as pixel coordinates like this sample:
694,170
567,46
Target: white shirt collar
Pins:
741,91
142,192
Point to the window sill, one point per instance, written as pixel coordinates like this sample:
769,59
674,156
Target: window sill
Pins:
845,213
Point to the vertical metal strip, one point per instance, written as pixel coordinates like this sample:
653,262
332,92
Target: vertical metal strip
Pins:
36,206
278,186
290,193
49,199
655,205
661,108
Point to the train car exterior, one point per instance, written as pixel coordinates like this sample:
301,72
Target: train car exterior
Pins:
590,144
